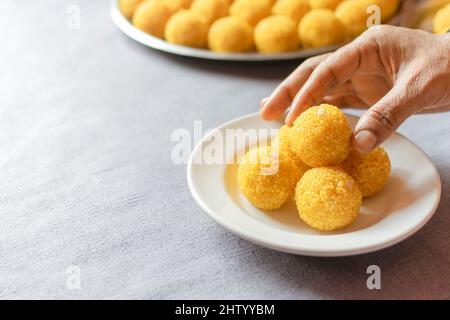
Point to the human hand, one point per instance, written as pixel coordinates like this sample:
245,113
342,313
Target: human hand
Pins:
393,71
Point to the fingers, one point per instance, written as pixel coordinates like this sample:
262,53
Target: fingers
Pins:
345,96
380,121
345,101
274,106
336,69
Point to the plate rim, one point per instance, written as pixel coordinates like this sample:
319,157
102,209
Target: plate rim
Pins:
295,249
158,44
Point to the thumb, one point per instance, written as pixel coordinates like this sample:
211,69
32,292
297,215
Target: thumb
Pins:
383,118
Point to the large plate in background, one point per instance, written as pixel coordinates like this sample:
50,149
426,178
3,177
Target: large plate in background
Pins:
408,201
123,24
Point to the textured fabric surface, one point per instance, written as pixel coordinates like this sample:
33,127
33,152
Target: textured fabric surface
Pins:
86,178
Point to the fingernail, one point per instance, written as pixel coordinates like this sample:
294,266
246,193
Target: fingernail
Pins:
289,120
263,102
365,140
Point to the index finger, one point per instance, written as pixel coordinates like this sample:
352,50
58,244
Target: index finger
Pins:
336,69
282,96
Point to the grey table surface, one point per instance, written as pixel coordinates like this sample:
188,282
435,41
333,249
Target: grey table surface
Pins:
87,187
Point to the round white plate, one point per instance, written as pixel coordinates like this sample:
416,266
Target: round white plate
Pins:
405,205
124,24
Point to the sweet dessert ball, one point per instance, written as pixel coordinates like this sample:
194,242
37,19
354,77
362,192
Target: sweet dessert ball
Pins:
251,11
188,29
324,4
176,5
327,198
354,16
151,17
321,136
127,7
294,9
282,141
230,34
441,23
210,10
320,28
370,171
266,178
276,34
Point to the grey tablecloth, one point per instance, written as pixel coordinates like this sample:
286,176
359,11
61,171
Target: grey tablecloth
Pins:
87,186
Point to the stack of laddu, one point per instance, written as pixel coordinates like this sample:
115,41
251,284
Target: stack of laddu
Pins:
315,162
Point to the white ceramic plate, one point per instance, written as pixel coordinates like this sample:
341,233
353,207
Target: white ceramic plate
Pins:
123,24
405,205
